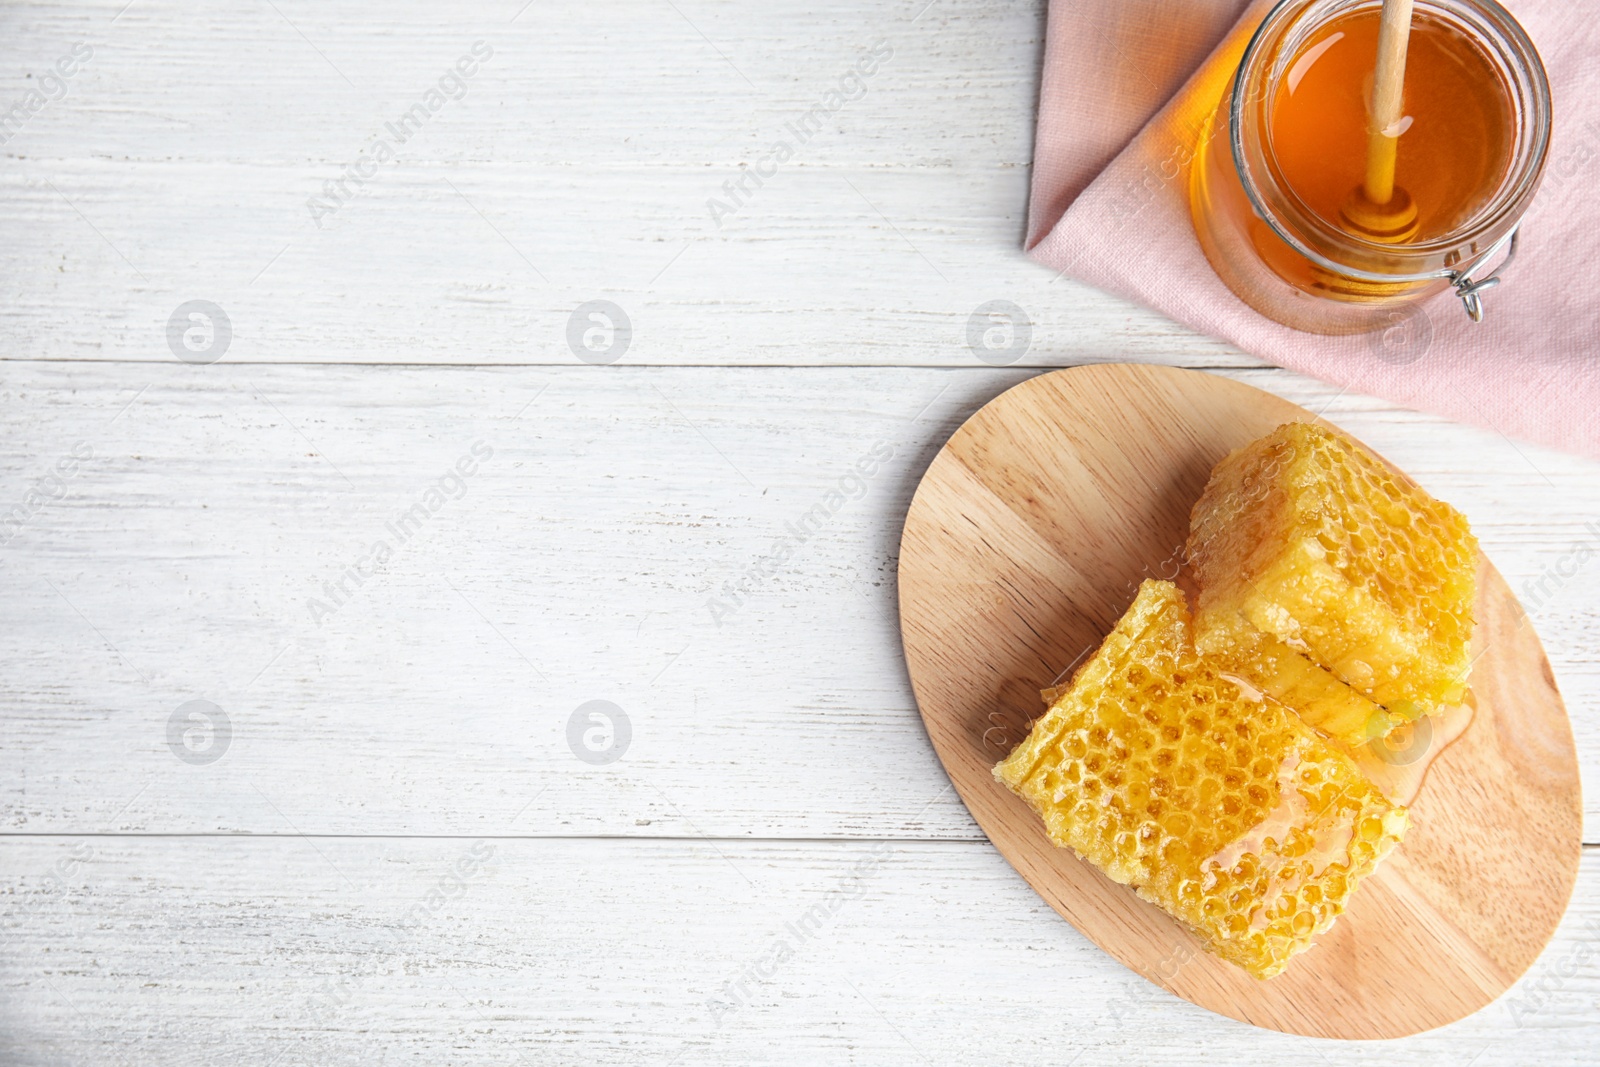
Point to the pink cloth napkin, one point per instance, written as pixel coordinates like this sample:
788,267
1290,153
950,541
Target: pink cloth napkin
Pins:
1118,110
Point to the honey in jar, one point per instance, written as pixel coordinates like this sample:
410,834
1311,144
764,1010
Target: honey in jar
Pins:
1275,173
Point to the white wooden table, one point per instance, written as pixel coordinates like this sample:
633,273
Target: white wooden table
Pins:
380,838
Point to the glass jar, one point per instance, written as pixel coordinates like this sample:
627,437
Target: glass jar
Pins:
1287,260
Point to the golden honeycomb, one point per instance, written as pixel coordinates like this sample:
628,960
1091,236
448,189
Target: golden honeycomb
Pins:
1303,543
1270,666
1219,807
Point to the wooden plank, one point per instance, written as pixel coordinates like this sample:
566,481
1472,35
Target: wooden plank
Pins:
637,82
536,192
583,563
490,263
333,950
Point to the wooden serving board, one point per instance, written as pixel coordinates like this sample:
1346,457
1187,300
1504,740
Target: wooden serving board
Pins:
1024,544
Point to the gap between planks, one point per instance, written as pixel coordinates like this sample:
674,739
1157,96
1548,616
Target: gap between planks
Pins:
1210,368
719,839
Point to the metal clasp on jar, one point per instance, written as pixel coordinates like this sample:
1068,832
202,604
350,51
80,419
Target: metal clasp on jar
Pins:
1468,288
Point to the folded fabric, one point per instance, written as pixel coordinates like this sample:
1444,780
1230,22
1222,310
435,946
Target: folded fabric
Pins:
1127,87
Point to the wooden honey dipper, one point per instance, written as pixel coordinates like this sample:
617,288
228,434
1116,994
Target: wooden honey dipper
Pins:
1379,209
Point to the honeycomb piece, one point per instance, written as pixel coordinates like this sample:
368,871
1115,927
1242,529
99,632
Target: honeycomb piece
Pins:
1227,812
1265,663
1311,541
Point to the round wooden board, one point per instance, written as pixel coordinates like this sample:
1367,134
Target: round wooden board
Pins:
1024,544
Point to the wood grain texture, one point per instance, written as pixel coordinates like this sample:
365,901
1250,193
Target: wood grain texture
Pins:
203,952
578,166
1023,545
412,273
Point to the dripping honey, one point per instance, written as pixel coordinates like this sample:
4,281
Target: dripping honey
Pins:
1454,140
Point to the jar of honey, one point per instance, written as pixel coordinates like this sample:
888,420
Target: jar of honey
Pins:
1274,173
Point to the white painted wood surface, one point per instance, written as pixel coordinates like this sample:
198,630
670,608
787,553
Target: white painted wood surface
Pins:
271,906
